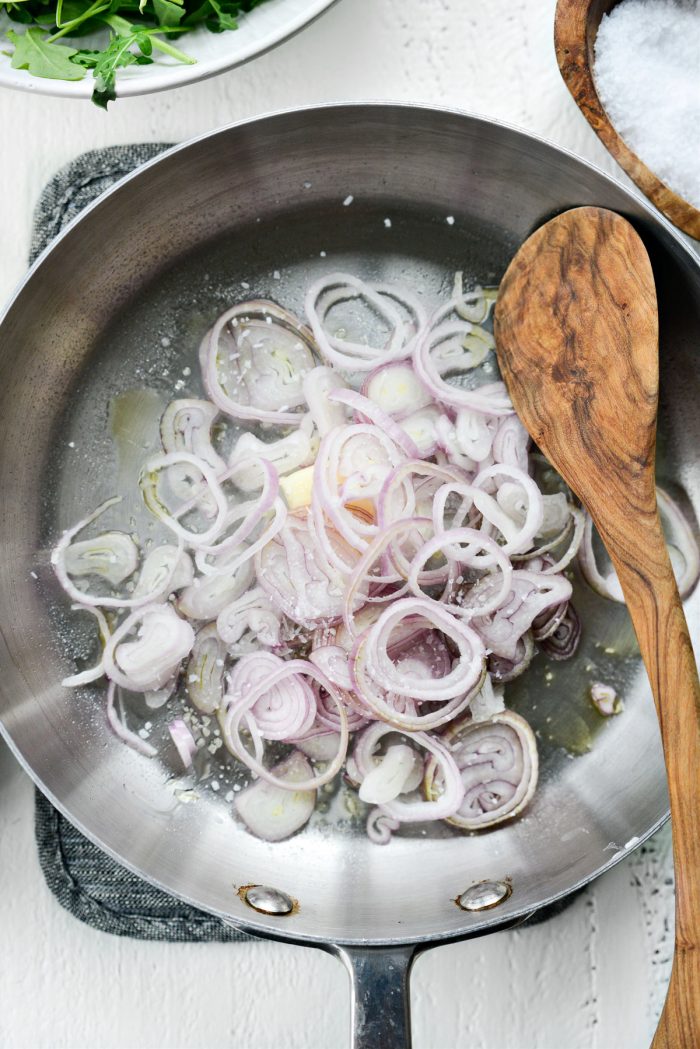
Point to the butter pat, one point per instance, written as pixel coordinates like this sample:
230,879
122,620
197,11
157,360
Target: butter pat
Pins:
297,487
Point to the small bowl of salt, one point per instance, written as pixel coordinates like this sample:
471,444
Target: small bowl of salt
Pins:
633,68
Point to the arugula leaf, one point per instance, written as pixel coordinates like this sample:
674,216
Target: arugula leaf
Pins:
145,45
19,14
37,55
117,55
198,15
224,19
86,58
74,18
90,59
168,12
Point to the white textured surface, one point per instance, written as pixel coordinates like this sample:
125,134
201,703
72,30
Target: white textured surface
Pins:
595,977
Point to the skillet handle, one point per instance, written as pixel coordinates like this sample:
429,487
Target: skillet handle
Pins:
381,1008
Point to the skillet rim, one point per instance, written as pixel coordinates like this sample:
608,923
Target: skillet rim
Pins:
257,927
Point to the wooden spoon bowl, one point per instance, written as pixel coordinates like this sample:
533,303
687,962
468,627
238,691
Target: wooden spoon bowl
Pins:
576,24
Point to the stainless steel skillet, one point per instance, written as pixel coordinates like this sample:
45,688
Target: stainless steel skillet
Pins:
119,304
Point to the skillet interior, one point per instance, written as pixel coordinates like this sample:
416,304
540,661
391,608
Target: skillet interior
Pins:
120,303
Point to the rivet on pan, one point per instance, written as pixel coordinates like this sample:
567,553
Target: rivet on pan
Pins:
484,895
266,900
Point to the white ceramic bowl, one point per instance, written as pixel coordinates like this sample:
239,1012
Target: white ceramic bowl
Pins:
258,31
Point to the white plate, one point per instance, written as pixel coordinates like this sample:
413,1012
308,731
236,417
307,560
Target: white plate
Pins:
258,31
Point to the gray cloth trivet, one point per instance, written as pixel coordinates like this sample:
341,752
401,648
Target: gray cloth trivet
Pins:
107,896
79,183
84,879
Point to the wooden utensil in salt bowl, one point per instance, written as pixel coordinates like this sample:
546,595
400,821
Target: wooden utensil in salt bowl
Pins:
576,329
576,24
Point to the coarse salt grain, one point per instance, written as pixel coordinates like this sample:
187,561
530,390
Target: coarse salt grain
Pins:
647,73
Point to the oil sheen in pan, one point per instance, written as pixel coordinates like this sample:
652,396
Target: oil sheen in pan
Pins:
149,356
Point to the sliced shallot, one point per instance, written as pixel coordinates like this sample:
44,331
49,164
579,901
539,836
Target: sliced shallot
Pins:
274,813
374,557
254,361
415,810
149,661
498,764
239,712
113,556
402,315
184,741
204,675
120,728
81,597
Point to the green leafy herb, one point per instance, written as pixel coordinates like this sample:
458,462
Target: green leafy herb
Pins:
168,12
225,17
35,53
132,30
118,54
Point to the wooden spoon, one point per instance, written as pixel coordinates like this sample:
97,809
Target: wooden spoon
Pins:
576,330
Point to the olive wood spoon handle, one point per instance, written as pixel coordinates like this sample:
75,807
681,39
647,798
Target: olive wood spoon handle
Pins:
576,328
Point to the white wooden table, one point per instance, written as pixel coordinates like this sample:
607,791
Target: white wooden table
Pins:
592,979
